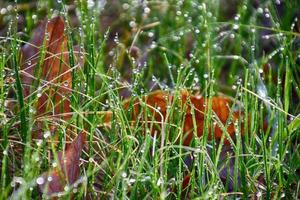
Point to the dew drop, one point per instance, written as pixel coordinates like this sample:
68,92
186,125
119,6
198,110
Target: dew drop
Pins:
31,110
124,175
54,164
132,180
9,7
47,134
258,194
40,180
66,188
49,178
260,10
150,34
147,10
3,11
126,6
237,17
267,15
159,182
132,24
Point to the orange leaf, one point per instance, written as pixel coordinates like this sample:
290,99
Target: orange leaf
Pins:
68,170
157,104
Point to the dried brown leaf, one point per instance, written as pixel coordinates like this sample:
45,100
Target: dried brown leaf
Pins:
52,68
68,170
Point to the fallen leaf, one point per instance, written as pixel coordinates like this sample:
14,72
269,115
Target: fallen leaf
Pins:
50,70
158,101
46,70
68,170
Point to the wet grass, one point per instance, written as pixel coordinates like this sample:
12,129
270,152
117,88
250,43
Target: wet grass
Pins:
248,51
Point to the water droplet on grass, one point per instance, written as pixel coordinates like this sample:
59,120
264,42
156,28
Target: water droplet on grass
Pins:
66,188
54,164
49,179
159,182
258,194
3,11
132,180
32,110
150,34
40,180
260,10
47,134
126,6
132,24
124,175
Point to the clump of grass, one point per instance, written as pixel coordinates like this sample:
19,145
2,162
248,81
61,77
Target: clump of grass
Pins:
247,51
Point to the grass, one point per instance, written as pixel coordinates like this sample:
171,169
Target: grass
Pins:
247,52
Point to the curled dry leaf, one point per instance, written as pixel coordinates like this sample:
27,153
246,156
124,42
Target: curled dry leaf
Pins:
158,101
45,63
68,170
